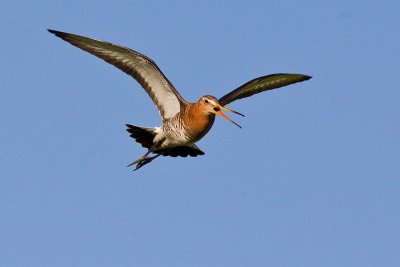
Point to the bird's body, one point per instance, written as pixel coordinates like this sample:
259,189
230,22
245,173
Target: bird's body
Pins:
188,126
183,123
177,135
185,128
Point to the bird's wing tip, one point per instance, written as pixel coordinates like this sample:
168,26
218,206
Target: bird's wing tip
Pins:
57,33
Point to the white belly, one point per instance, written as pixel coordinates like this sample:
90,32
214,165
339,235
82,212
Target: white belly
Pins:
172,137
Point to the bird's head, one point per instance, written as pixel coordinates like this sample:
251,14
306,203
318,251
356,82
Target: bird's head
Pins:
210,104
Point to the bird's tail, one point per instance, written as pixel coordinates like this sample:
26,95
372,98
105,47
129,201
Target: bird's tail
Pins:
142,135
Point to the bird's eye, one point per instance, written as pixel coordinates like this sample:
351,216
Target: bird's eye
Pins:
206,100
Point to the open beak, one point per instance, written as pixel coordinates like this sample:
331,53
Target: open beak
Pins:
217,110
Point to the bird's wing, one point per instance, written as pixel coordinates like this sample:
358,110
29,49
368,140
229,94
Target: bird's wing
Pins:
141,68
262,84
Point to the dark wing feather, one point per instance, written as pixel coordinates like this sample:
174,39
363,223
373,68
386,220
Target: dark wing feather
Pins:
181,151
141,68
262,84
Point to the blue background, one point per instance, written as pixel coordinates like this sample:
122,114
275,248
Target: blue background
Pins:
312,179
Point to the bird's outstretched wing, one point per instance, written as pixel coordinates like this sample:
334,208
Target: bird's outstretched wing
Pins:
143,69
262,84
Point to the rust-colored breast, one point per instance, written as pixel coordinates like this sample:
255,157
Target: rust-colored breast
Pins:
197,122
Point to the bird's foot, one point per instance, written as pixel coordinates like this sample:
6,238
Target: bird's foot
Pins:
142,161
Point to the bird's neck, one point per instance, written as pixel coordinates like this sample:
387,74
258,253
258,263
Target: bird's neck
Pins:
199,122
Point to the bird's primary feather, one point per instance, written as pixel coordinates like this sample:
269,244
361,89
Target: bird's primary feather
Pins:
262,84
143,69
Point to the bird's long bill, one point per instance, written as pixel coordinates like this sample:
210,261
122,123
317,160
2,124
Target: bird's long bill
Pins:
218,111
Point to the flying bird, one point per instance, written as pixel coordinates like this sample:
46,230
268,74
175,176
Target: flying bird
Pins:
183,123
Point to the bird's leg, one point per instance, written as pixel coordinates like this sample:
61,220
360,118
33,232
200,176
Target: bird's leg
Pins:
140,159
143,160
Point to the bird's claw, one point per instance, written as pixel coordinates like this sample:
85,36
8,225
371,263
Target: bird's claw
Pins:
142,161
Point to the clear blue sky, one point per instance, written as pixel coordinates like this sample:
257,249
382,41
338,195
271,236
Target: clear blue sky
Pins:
312,179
